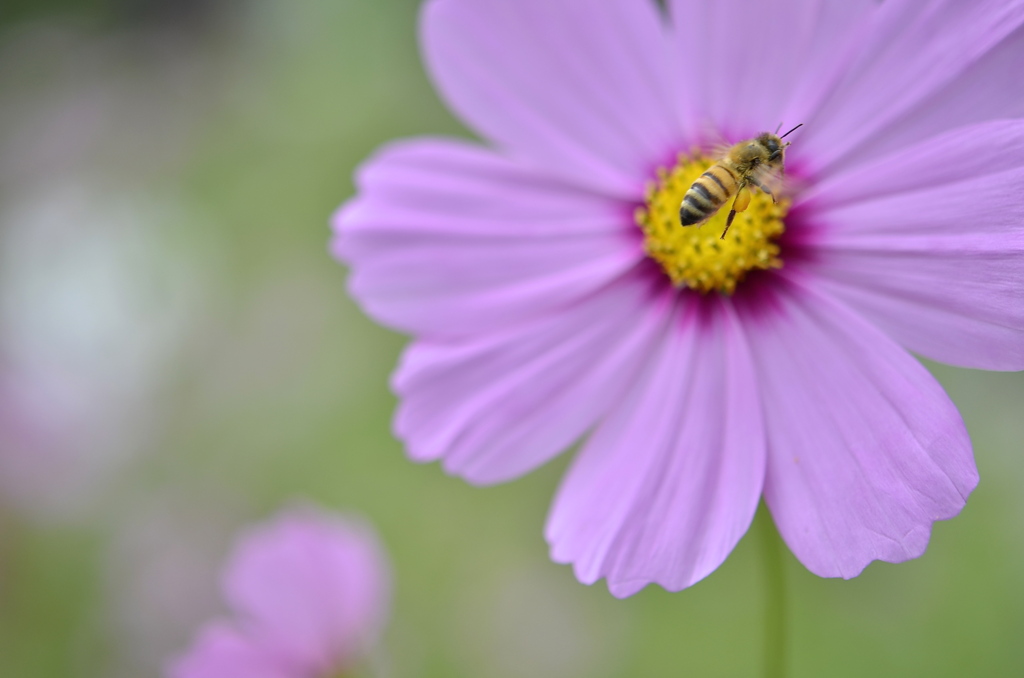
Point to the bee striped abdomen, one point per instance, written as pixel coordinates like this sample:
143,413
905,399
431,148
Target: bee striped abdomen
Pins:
707,194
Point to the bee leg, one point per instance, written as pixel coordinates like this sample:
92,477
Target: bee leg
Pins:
728,223
738,205
764,188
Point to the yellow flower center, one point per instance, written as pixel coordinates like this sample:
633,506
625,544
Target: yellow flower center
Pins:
696,256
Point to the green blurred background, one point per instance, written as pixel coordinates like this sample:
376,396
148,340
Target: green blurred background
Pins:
167,170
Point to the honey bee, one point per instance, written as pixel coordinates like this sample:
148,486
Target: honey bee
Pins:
754,163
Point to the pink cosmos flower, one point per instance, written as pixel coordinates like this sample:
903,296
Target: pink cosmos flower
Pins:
552,296
310,594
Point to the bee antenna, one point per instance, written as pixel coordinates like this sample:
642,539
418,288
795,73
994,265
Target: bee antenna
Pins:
790,131
777,129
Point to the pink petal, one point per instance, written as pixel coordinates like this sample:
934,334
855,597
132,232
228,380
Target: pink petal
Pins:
929,244
865,450
988,89
221,651
911,52
314,584
671,479
447,238
495,407
744,67
986,148
579,88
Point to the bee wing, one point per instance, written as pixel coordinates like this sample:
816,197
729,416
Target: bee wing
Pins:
720,149
708,140
772,181
767,178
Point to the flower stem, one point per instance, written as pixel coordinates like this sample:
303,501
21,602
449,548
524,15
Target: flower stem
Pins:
775,599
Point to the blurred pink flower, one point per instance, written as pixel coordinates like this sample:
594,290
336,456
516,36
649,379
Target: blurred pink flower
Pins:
94,312
310,593
538,317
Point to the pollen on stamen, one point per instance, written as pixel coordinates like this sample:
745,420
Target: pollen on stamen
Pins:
695,256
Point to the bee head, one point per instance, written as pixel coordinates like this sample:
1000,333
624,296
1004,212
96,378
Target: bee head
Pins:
773,144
